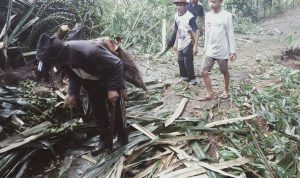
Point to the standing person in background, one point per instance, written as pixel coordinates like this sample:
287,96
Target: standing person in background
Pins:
196,9
186,41
219,46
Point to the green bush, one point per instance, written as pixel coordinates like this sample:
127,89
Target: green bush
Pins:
139,23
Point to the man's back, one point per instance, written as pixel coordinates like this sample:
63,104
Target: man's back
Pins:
195,9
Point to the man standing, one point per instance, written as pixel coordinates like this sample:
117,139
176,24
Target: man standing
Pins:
219,45
186,41
197,10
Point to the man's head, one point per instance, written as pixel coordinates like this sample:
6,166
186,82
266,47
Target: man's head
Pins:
111,44
215,4
194,2
50,50
180,6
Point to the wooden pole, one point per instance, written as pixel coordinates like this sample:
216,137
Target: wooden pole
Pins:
164,34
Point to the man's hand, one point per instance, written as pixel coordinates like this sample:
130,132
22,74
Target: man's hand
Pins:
195,50
113,96
124,93
70,102
232,57
175,48
65,28
1,45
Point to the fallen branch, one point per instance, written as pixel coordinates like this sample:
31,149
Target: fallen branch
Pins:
198,170
263,156
146,171
278,31
229,121
177,112
89,159
60,94
240,131
19,137
66,166
18,144
173,141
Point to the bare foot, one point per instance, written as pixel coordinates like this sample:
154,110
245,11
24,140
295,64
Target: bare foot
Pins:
207,97
225,95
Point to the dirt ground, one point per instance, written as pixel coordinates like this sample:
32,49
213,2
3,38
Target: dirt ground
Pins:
251,51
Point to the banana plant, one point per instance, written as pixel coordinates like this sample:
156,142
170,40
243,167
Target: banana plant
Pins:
9,39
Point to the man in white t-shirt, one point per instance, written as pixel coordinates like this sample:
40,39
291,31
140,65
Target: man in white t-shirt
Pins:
186,41
219,46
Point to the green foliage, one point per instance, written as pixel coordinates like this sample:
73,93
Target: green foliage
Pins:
138,23
294,39
243,8
39,109
279,106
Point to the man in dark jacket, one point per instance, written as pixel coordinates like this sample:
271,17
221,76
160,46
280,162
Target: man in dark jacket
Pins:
93,67
196,9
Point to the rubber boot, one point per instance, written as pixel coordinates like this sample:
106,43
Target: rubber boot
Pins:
123,136
106,142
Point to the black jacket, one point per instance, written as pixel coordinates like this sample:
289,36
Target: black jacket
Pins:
92,58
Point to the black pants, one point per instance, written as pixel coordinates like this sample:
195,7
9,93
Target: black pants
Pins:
186,62
97,95
100,106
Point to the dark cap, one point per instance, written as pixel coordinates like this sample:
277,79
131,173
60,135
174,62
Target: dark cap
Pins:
50,49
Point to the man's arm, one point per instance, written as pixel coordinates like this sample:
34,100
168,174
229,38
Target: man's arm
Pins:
206,37
73,89
194,34
74,82
201,18
202,23
231,38
175,47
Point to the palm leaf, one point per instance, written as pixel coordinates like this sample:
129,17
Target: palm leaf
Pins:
8,17
19,28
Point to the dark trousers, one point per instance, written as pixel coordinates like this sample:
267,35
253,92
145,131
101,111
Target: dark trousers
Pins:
97,95
186,62
100,107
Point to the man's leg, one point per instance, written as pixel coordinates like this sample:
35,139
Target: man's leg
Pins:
121,125
98,99
182,70
223,64
189,62
207,65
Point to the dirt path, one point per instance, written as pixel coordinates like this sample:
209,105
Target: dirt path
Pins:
251,51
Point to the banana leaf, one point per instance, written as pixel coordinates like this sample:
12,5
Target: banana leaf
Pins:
20,28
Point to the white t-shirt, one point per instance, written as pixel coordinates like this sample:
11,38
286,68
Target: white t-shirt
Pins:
219,35
183,24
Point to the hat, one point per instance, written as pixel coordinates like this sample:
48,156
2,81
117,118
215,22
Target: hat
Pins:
50,49
180,1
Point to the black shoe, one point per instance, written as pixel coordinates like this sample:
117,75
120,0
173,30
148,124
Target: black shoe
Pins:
106,142
123,136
